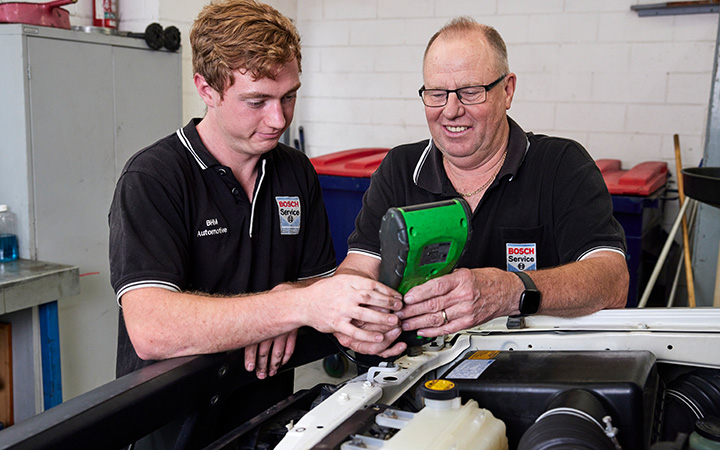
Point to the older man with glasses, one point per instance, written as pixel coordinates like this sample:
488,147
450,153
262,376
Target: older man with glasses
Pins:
543,237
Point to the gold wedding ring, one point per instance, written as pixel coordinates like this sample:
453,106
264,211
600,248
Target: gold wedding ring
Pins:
445,319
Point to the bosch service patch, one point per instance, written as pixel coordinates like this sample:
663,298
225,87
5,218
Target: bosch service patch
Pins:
289,212
521,257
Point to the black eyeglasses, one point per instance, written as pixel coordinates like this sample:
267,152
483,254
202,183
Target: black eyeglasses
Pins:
468,95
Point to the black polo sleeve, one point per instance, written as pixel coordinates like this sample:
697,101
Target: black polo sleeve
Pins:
148,236
583,219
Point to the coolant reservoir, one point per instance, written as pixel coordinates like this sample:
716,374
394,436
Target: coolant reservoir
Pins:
444,423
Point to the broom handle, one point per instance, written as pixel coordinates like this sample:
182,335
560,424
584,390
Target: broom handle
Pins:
686,241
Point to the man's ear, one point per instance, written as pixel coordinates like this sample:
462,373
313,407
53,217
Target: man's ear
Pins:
510,86
209,95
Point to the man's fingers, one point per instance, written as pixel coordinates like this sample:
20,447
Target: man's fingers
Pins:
250,352
369,336
381,301
376,327
289,346
394,350
370,347
277,354
268,356
262,359
362,335
371,316
436,287
427,320
362,283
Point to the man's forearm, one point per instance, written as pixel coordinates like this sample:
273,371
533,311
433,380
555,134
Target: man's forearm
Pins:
584,287
164,324
360,265
295,284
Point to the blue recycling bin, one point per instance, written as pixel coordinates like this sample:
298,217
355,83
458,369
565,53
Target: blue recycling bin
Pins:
344,178
638,217
637,197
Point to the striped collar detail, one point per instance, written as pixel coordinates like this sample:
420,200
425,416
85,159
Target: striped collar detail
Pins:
421,162
186,143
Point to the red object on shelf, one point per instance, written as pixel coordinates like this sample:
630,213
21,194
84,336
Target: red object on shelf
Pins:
105,14
358,163
41,14
643,179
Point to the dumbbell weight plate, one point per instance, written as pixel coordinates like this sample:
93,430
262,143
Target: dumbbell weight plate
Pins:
154,36
172,38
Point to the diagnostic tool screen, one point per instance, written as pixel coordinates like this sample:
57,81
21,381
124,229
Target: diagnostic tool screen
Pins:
435,253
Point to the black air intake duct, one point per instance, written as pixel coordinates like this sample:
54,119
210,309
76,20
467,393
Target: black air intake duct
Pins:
575,420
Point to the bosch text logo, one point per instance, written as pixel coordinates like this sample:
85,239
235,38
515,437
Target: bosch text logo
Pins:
288,203
521,250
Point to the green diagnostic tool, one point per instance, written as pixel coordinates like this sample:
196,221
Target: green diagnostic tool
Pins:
421,242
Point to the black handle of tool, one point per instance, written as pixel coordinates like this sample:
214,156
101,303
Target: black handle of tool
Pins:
394,248
156,37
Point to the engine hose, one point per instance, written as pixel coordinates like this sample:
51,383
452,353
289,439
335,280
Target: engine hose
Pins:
574,421
689,397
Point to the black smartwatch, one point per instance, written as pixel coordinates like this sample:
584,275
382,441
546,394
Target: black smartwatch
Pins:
530,298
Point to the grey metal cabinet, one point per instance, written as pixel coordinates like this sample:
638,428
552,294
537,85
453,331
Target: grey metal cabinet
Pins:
73,107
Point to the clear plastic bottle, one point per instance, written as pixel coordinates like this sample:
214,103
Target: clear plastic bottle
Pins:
8,235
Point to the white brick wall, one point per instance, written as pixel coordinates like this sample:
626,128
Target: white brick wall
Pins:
594,71
589,70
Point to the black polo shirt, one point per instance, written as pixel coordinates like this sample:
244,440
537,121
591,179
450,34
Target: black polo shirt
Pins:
548,206
181,221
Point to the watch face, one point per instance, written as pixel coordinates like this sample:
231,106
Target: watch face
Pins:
530,301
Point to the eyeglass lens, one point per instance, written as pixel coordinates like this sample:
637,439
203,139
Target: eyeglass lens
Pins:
468,96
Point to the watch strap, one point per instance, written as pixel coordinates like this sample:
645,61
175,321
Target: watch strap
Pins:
527,281
531,297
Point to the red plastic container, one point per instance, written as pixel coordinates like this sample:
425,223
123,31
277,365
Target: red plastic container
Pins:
361,162
643,179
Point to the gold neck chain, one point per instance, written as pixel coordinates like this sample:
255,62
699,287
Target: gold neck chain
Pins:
487,183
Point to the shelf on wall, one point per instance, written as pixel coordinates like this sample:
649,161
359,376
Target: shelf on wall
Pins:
677,8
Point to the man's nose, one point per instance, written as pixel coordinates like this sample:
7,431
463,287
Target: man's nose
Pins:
275,116
454,107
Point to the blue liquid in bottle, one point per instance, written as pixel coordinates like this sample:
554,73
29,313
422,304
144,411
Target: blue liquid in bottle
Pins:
8,247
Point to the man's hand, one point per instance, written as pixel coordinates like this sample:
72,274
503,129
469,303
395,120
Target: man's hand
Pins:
357,307
382,349
280,348
467,298
276,351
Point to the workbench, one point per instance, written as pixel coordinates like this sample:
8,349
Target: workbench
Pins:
29,292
